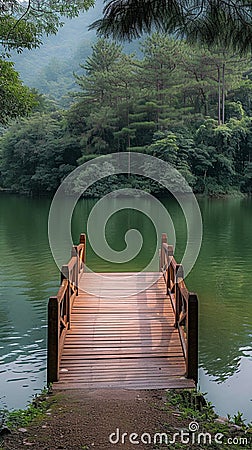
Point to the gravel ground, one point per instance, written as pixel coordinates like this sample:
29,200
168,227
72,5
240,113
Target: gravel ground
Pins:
84,420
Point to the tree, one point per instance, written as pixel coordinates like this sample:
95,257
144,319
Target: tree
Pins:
36,154
99,135
159,75
15,99
23,23
214,73
108,73
107,91
222,155
207,21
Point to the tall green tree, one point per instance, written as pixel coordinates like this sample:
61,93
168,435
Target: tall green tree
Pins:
108,74
107,92
210,75
159,75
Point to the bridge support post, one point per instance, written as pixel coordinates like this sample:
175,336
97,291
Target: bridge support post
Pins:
192,338
53,340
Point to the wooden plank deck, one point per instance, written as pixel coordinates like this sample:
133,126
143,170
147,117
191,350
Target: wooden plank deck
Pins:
122,342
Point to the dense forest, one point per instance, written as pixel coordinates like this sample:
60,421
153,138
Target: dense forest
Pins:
182,103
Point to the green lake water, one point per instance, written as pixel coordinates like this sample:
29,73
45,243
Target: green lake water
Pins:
222,277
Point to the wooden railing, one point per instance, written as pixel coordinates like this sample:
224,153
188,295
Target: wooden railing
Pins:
60,307
185,307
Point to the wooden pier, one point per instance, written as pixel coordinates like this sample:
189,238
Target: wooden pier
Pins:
117,338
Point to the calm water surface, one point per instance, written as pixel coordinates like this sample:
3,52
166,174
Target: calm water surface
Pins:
222,277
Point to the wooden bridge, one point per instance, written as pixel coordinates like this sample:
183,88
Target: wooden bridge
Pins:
120,339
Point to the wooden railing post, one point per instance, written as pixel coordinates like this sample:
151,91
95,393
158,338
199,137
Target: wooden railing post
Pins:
162,257
179,273
83,241
74,254
169,256
53,340
66,275
192,337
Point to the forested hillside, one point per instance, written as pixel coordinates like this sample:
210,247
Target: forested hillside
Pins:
186,105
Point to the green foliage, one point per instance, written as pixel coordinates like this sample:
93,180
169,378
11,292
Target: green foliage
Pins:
15,99
239,420
37,154
222,155
99,132
246,182
50,67
222,22
22,24
193,407
23,417
165,146
179,103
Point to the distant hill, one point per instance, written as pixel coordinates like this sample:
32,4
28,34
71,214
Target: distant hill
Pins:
49,69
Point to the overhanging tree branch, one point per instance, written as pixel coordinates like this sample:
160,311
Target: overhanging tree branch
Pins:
23,23
208,21
19,20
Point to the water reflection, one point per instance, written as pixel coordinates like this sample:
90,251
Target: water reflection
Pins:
116,228
222,277
28,275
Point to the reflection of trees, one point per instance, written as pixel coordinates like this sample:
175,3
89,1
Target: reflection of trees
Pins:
5,325
222,278
116,228
25,252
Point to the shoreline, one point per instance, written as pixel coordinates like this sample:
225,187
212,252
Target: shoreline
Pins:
232,195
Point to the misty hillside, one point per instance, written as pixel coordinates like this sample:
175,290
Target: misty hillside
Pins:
49,69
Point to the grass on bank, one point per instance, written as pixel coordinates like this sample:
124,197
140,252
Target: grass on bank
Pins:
192,410
23,417
186,406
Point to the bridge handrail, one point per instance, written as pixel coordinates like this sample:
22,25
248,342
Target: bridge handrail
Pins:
60,308
185,307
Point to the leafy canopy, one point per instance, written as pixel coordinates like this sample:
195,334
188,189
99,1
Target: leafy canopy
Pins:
15,98
22,23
